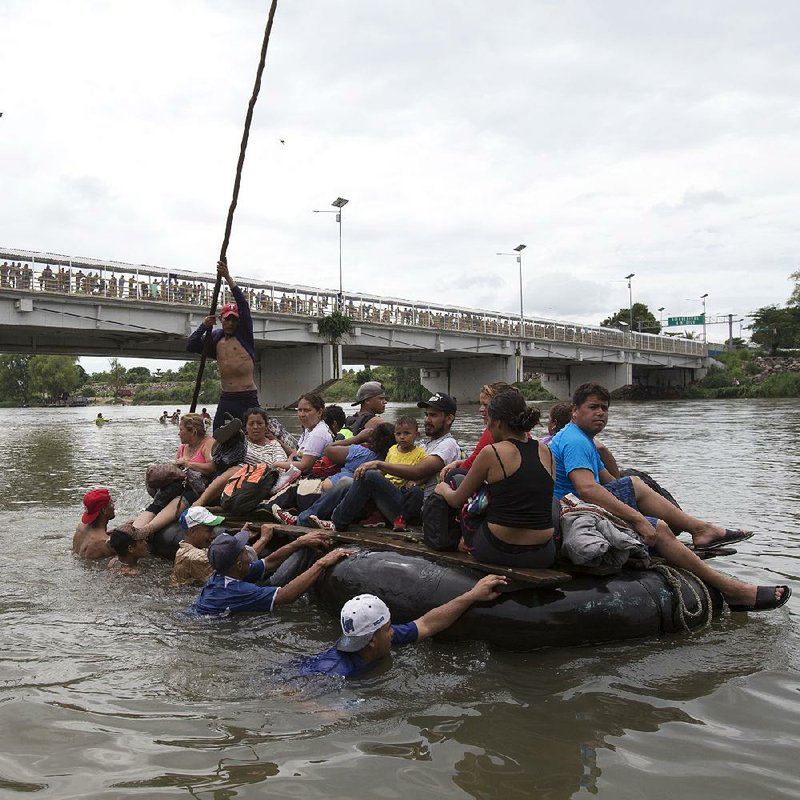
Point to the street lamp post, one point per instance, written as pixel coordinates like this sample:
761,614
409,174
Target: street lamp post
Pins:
518,254
630,299
661,318
339,203
703,298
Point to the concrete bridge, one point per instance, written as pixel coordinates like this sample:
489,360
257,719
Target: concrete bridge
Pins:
52,303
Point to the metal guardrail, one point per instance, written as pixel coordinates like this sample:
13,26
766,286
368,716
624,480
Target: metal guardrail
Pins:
50,273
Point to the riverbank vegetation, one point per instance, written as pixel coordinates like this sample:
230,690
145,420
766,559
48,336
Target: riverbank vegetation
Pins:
748,373
402,385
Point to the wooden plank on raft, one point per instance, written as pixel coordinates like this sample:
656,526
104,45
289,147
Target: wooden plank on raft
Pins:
410,544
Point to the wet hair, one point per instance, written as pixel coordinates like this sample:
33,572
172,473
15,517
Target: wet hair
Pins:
194,423
493,389
256,410
120,542
382,439
316,402
410,421
561,414
510,407
586,390
335,417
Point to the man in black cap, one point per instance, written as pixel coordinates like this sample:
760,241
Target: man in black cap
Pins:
370,484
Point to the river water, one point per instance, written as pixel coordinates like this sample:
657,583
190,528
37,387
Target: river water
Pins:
109,691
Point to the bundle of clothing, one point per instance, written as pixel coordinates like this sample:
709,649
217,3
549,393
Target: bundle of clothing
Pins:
594,537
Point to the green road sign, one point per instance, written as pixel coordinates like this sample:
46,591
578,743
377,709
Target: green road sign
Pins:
671,321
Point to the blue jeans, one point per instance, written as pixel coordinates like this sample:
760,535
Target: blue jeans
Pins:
323,507
372,485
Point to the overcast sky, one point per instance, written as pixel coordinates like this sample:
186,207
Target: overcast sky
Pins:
609,137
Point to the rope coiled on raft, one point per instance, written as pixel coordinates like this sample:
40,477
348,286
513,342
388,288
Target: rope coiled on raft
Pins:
674,578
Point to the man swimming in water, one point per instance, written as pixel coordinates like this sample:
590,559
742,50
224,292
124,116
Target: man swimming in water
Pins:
368,634
233,347
90,539
579,470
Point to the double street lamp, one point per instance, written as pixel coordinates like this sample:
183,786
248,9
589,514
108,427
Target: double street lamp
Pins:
630,299
703,298
339,203
518,254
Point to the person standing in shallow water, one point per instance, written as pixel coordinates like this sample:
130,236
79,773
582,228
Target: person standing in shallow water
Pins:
90,539
233,347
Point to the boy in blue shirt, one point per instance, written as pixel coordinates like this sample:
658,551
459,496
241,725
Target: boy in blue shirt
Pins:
579,470
368,634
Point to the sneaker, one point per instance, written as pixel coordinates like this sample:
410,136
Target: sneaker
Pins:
324,524
374,520
227,431
285,478
399,523
283,516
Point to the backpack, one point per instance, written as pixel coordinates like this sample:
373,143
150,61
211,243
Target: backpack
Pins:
246,488
230,453
440,527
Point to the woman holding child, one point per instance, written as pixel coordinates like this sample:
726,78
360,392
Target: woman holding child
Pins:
517,529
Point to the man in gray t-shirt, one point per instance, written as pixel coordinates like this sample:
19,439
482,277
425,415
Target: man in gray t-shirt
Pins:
403,505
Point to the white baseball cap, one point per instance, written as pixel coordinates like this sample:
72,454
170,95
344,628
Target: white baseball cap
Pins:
361,618
197,515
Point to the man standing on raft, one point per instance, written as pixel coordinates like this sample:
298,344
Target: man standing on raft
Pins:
234,349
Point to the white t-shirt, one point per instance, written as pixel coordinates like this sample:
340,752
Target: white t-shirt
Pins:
448,449
315,441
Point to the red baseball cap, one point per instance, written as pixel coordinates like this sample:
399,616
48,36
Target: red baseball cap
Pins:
229,310
95,501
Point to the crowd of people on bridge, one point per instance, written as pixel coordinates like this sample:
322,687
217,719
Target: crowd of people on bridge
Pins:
506,497
172,288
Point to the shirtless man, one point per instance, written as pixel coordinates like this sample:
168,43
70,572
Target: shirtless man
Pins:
91,536
234,349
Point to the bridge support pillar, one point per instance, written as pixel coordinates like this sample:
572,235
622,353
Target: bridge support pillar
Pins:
612,376
287,372
462,378
557,385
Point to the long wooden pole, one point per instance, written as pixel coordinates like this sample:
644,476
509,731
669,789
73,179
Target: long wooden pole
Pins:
223,253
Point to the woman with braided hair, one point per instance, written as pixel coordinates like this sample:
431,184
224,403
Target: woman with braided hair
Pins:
517,529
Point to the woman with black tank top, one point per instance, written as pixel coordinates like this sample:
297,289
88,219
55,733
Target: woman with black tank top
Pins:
517,530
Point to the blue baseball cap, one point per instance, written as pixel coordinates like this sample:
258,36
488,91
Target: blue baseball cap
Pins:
225,549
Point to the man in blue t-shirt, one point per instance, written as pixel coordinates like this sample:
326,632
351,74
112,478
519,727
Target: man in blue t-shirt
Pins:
231,589
580,471
368,634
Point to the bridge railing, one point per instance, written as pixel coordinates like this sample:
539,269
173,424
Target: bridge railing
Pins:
49,273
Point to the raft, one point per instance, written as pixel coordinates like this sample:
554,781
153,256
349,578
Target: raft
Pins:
542,608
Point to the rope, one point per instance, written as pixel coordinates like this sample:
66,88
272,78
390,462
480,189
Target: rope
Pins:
674,577
223,253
